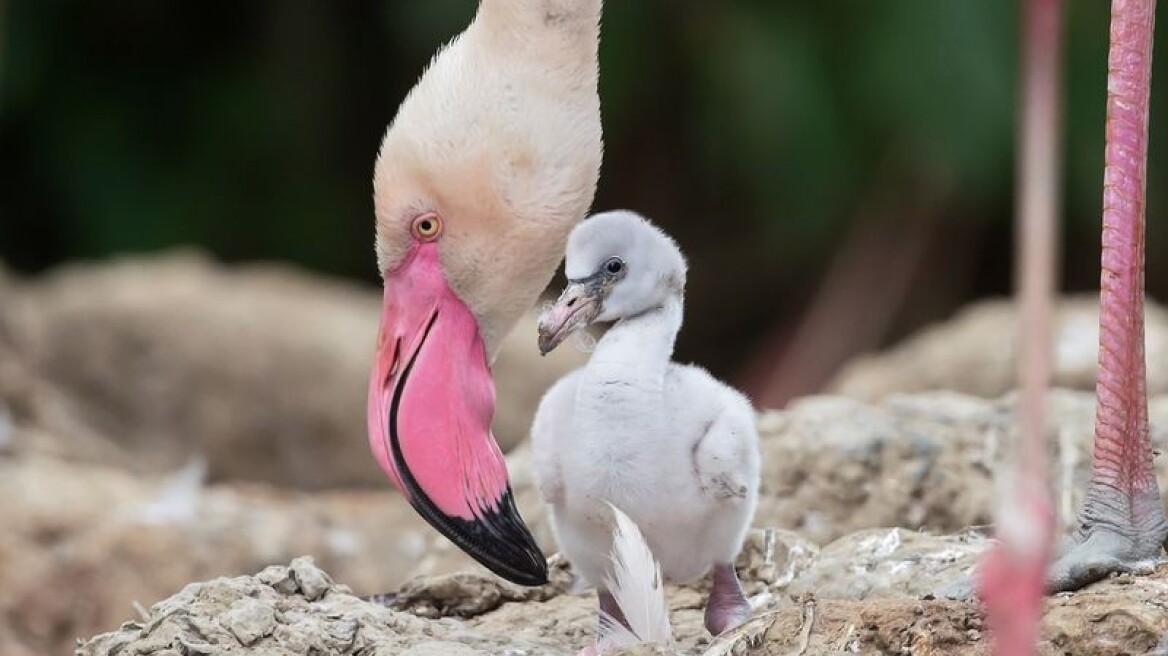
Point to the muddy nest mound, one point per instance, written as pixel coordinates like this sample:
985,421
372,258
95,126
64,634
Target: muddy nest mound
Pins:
73,559
869,605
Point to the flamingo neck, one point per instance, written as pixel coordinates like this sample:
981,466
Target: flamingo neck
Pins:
536,22
639,347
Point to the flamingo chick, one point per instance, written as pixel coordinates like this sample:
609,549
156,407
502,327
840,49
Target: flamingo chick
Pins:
667,443
490,161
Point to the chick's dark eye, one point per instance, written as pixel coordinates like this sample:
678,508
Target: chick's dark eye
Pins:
614,266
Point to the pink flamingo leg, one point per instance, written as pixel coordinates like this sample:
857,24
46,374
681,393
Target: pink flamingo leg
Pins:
1012,576
727,606
1122,523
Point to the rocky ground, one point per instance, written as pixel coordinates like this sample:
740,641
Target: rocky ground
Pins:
867,598
169,420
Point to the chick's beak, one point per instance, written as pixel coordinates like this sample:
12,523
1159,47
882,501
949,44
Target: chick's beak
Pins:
577,306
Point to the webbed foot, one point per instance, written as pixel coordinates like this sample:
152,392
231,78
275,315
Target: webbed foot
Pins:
727,606
1117,535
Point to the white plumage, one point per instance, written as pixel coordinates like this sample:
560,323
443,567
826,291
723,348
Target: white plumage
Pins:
638,588
668,444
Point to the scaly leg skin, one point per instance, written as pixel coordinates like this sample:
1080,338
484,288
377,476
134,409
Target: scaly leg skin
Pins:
1122,524
727,606
1120,531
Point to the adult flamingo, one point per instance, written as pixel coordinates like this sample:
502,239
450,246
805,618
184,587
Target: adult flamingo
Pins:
491,160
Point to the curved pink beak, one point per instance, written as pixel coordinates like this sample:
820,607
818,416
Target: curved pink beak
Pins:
431,402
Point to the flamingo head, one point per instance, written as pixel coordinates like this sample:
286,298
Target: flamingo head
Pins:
490,161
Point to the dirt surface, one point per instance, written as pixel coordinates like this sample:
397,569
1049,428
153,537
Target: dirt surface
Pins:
81,543
298,609
76,557
866,587
285,610
1114,617
975,351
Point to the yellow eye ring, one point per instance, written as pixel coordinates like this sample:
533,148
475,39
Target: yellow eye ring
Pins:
427,227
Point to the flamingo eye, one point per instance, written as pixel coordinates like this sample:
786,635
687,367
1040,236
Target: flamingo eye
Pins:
614,266
427,227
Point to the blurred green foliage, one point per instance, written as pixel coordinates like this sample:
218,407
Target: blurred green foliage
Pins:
758,131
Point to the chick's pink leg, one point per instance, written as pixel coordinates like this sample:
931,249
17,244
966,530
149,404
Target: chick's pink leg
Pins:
727,606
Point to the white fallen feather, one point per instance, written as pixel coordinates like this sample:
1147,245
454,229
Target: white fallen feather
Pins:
638,588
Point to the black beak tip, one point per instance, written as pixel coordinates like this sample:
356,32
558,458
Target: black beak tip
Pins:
506,546
498,539
527,574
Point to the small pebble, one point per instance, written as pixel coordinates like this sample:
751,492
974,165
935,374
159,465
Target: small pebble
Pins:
278,578
248,620
313,582
344,631
199,648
